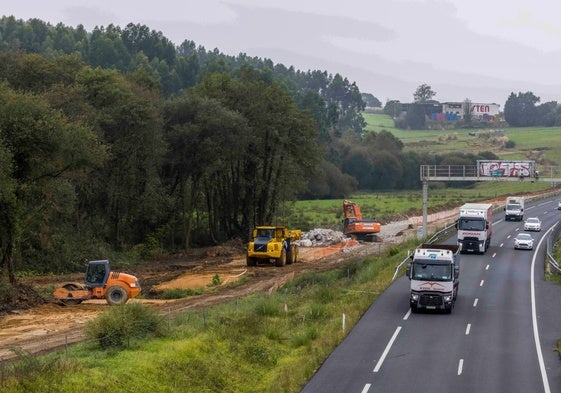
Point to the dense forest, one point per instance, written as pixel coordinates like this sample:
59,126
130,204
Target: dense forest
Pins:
116,140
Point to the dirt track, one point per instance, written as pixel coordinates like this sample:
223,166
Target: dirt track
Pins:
51,326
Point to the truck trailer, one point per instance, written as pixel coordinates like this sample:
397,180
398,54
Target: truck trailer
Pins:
514,208
434,273
475,227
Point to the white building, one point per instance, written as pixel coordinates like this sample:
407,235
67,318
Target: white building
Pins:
479,111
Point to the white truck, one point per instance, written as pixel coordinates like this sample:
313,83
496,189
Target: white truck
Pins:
475,227
514,208
435,276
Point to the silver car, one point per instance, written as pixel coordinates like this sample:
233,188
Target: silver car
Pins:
523,241
533,224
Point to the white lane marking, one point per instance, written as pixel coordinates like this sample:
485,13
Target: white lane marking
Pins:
468,328
500,245
388,347
481,283
460,366
366,388
535,320
475,302
494,255
487,267
407,315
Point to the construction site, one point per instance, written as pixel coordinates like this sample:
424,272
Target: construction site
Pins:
214,274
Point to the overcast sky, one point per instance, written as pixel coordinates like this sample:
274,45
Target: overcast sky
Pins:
477,49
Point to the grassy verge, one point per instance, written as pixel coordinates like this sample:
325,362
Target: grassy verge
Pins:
261,343
397,205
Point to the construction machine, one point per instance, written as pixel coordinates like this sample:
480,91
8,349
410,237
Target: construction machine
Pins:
100,283
357,227
273,243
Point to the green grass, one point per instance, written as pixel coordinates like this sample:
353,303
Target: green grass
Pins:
387,206
379,122
540,144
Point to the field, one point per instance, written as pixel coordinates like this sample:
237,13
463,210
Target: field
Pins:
542,145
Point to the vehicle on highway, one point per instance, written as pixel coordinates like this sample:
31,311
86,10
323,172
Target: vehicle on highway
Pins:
523,241
559,205
533,224
434,272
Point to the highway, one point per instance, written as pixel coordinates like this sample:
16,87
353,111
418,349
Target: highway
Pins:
499,337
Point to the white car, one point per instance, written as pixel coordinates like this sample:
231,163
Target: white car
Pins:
559,205
533,224
523,241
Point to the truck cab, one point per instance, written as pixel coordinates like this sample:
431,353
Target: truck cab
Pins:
434,272
474,227
514,208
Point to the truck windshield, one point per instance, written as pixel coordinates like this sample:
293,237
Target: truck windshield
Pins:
427,271
265,233
469,224
513,207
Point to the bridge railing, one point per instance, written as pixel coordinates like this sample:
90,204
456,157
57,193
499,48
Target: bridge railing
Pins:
428,171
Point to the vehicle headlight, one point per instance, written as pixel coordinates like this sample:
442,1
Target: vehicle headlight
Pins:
414,297
448,298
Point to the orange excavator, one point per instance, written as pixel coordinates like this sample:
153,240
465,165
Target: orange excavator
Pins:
355,226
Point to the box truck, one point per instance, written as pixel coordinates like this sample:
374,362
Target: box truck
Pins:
475,227
514,208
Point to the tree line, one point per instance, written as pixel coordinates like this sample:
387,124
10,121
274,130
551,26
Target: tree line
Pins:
95,159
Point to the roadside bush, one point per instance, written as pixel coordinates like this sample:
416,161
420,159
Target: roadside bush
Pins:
115,328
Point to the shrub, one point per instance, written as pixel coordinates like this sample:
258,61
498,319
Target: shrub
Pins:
115,328
510,144
178,293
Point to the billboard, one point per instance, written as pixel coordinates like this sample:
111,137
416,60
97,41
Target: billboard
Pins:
505,168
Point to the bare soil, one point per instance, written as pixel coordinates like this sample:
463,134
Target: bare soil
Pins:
48,325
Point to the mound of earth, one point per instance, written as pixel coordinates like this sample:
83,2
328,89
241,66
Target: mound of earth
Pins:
19,297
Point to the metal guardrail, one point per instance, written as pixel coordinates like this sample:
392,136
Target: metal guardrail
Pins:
443,232
552,238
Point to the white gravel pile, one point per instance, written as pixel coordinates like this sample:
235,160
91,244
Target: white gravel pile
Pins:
320,237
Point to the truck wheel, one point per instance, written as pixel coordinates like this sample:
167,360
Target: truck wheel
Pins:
251,261
292,254
116,295
282,260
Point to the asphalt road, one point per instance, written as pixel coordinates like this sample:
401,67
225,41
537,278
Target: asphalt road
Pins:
499,338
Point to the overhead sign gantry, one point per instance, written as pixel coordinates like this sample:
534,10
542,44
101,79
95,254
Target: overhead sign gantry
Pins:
486,170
